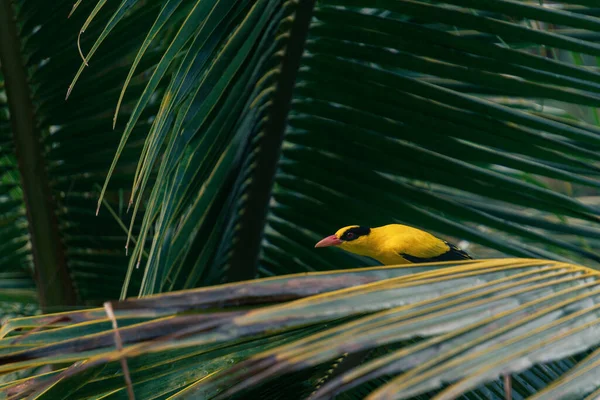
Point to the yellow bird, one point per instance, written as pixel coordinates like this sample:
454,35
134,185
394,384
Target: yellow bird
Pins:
394,244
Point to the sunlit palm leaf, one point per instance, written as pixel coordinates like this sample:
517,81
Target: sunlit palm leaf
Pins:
476,321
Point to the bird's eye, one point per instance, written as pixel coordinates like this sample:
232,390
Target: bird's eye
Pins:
350,235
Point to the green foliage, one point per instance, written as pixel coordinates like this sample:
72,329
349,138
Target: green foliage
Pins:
456,116
275,338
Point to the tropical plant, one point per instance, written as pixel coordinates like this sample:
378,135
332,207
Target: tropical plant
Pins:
245,131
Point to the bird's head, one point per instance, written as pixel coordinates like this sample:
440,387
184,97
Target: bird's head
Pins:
350,238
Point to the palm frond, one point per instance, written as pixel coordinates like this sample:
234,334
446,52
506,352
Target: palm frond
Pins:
77,142
389,97
384,102
450,116
451,327
401,115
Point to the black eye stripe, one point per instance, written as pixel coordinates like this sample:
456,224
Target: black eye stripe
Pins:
355,233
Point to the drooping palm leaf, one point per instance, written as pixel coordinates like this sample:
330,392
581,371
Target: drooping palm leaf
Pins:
400,100
386,96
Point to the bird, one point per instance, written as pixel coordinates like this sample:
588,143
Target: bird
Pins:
394,244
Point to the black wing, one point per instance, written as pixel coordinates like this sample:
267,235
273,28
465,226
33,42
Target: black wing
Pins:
453,254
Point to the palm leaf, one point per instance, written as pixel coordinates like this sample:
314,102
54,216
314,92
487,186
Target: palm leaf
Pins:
452,114
489,317
370,118
444,115
374,86
76,147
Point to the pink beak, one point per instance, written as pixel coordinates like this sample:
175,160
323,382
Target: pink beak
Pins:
329,241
